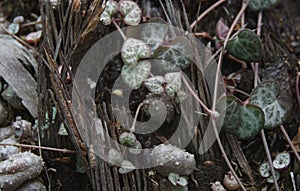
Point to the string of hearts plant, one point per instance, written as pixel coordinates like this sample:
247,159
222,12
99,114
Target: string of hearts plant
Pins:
136,71
245,120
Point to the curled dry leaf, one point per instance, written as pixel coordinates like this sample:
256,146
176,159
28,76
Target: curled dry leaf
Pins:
6,151
32,185
171,159
19,168
14,60
131,12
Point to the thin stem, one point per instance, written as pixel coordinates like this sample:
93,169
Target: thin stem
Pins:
39,147
262,132
243,8
206,12
195,95
297,88
290,142
119,29
132,129
225,155
263,136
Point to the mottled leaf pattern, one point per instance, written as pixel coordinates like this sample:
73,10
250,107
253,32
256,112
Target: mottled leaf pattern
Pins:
173,177
179,53
174,78
244,121
111,8
136,148
126,167
13,28
266,97
114,157
246,46
171,90
154,84
155,32
133,50
134,76
256,5
127,139
131,12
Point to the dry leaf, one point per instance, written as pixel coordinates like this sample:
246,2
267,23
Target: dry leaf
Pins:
15,58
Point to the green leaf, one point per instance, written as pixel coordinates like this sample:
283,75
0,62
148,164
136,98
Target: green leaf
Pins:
182,181
126,167
13,28
136,148
257,5
246,46
174,78
127,139
171,90
111,8
177,54
155,32
131,12
133,50
154,84
114,157
173,178
134,76
244,121
265,96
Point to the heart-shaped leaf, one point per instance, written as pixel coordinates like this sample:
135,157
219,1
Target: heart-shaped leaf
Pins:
133,50
134,76
177,54
171,90
174,78
126,167
154,33
246,46
131,12
265,96
257,5
127,139
173,177
114,157
244,121
182,181
13,28
154,84
136,148
111,8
